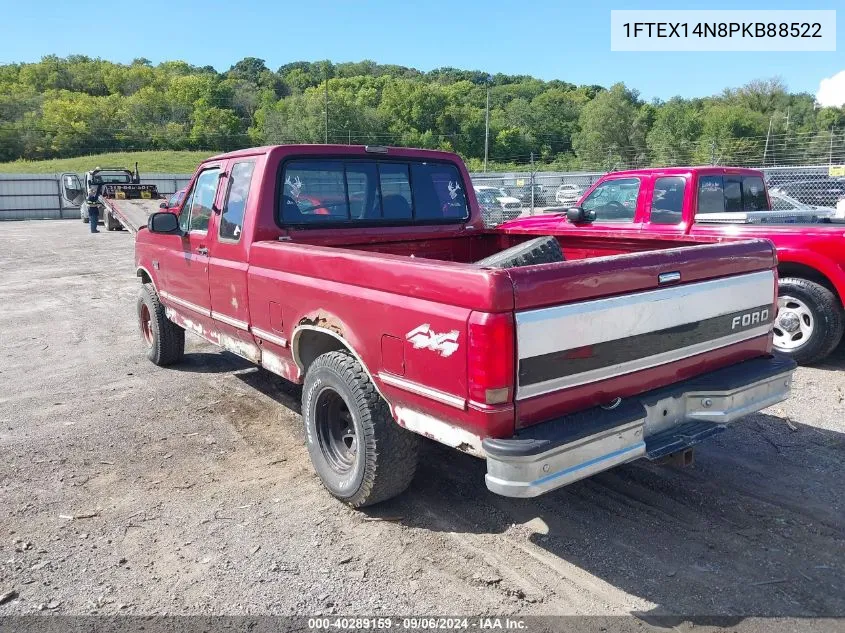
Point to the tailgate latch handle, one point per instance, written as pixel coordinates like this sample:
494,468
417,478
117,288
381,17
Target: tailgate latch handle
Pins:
668,278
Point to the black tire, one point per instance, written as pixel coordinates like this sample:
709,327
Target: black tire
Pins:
542,250
164,339
361,454
111,223
827,314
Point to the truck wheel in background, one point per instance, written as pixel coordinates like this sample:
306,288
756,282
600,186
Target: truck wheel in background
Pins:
809,323
360,453
111,223
164,339
543,250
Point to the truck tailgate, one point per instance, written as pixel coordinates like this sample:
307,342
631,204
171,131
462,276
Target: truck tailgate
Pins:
592,331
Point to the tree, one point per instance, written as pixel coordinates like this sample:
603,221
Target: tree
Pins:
673,137
607,135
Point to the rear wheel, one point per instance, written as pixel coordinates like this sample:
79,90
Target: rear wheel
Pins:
361,455
809,323
164,340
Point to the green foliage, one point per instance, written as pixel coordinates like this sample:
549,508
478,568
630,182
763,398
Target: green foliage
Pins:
62,107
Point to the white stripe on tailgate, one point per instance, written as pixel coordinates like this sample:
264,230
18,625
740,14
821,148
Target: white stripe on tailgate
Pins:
589,322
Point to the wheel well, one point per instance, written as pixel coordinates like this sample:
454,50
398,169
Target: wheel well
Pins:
313,343
791,269
145,278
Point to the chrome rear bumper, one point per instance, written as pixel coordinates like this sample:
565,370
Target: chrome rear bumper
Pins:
654,424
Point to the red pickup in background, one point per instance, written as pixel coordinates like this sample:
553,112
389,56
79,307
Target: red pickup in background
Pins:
720,204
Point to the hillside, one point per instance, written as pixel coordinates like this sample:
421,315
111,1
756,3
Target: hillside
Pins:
78,106
168,162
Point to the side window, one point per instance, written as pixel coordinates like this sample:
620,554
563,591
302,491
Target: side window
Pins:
711,195
314,191
754,194
231,220
395,191
197,211
614,200
667,202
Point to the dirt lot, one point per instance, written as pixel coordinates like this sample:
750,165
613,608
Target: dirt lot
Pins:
125,488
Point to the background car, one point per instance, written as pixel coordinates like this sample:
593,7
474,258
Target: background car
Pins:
568,194
173,202
522,193
501,206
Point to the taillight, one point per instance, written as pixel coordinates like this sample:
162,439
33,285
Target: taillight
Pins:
490,362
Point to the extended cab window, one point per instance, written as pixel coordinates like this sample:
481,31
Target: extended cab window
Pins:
368,191
231,220
731,193
667,201
197,211
614,200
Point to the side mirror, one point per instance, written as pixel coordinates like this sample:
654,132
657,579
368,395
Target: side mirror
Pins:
164,222
577,215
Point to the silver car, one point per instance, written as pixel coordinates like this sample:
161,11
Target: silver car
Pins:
568,194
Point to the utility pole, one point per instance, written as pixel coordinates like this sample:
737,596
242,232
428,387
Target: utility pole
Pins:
531,183
327,103
830,154
786,135
487,125
713,152
766,149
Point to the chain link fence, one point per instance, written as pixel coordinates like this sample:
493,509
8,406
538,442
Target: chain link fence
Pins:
505,196
502,196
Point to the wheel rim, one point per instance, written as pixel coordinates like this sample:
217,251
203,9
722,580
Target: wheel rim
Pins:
336,432
794,325
146,324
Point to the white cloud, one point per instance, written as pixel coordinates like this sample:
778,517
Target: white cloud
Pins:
831,93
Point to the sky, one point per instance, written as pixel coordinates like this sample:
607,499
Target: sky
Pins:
549,39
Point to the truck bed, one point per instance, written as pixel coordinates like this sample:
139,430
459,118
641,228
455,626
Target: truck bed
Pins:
132,214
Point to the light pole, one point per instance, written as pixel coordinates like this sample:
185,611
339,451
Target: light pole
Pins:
327,103
487,124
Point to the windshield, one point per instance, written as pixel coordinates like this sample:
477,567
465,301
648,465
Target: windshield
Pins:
112,177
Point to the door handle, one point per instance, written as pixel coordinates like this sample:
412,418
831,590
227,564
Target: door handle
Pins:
202,250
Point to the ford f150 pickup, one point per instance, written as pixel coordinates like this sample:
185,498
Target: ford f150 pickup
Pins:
365,274
720,204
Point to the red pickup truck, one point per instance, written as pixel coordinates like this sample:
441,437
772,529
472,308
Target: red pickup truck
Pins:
718,204
365,274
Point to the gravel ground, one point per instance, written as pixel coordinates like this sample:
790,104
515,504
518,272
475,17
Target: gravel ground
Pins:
126,488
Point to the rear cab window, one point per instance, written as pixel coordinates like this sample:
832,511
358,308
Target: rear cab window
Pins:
731,193
361,191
